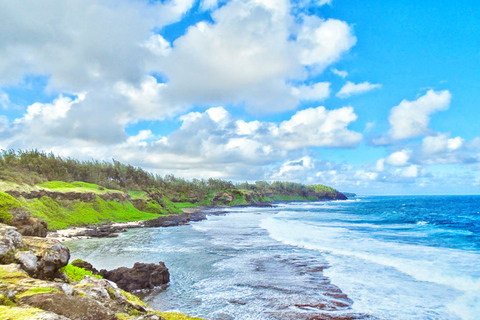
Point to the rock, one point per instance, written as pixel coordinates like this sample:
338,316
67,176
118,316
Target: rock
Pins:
141,276
74,308
84,265
10,241
51,255
29,261
174,219
19,214
167,221
32,227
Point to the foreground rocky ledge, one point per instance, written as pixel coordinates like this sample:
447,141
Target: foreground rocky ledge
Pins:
34,286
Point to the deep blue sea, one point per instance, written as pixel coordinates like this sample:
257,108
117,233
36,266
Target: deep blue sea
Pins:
399,257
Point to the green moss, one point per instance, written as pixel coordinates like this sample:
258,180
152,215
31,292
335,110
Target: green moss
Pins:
176,316
7,202
76,274
34,291
4,301
133,299
66,213
123,316
17,313
8,276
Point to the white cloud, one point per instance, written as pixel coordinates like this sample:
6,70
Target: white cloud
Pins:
294,169
380,165
409,172
4,100
316,92
399,158
340,73
323,41
410,119
319,127
436,144
350,89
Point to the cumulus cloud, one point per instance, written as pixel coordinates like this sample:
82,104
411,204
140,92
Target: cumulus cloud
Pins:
410,119
399,158
319,127
247,55
350,89
79,44
323,41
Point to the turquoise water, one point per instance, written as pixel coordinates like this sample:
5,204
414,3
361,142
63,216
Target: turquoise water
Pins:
414,257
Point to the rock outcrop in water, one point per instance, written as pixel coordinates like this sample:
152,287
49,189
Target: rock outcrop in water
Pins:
141,276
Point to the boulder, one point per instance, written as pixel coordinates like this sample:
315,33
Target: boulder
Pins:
141,276
10,241
28,261
51,256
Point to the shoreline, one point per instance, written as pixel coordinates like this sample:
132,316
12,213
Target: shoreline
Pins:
111,229
333,304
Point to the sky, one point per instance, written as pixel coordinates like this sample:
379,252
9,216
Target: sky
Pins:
374,97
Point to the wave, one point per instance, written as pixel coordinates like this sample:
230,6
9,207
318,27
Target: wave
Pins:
440,266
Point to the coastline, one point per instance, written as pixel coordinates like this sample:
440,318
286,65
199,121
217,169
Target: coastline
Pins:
272,268
111,229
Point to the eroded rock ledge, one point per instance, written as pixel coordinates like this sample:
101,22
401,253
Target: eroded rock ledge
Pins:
33,285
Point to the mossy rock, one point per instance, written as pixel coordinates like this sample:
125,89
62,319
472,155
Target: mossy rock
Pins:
19,313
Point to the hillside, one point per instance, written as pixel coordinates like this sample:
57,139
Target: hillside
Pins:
66,192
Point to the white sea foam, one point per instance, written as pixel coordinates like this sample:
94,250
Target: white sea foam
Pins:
448,271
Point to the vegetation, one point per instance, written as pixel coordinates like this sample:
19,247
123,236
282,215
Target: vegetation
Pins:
147,195
39,290
75,273
7,203
176,316
18,313
61,214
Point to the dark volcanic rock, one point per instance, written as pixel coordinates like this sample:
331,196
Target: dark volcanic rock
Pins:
175,220
84,265
141,276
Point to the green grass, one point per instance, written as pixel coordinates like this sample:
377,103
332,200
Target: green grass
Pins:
137,194
76,273
171,207
182,205
7,202
63,214
77,186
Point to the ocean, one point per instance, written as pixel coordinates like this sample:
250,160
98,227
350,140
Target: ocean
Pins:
375,257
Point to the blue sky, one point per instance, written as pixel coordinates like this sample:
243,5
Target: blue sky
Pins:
373,98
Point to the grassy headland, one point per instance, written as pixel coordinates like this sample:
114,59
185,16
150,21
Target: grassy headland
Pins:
65,192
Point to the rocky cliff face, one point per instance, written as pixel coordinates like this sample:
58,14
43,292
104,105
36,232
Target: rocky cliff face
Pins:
33,285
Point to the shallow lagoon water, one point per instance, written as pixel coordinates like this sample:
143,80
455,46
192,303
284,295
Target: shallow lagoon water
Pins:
394,257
